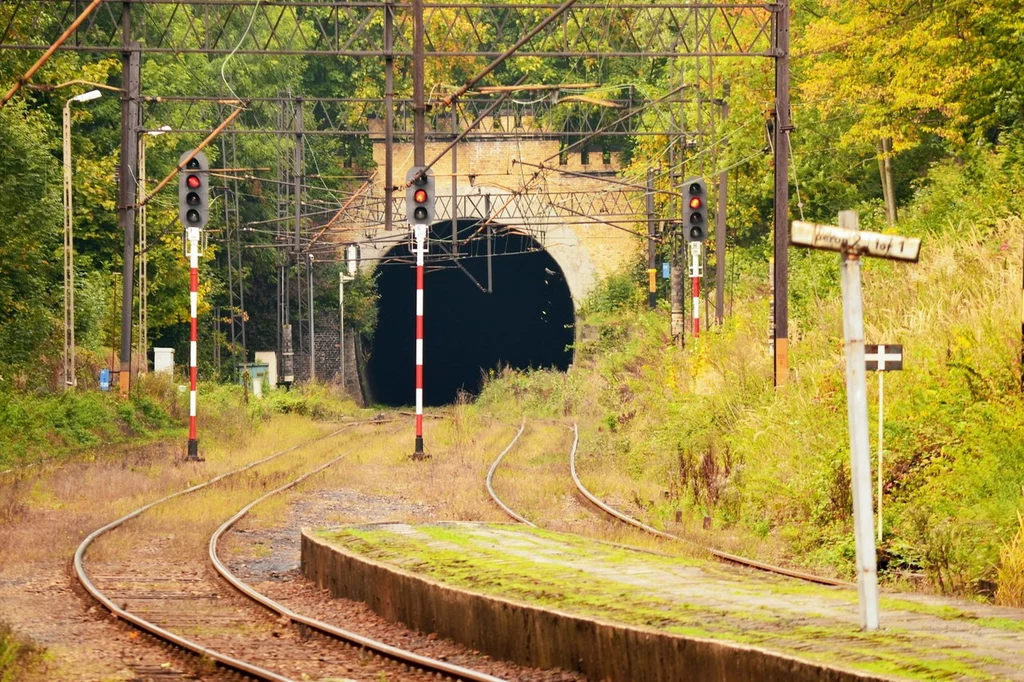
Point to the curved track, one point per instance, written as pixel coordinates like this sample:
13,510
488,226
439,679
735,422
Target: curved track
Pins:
233,663
624,518
407,657
490,478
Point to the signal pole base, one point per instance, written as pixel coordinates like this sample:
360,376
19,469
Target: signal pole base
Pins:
193,451
418,453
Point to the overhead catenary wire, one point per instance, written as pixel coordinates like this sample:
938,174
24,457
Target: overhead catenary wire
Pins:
227,59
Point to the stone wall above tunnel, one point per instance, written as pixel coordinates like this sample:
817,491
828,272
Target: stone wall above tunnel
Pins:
586,251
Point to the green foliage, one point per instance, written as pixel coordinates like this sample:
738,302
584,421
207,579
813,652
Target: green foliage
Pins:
30,239
17,657
360,297
705,432
317,402
618,292
34,426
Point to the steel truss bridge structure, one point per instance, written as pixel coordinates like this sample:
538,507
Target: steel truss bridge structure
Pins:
384,34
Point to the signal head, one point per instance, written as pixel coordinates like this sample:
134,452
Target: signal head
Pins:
193,190
694,210
419,196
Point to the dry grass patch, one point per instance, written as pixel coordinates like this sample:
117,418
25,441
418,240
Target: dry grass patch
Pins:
185,523
1011,569
64,503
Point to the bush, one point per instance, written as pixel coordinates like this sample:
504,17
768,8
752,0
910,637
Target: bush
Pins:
36,426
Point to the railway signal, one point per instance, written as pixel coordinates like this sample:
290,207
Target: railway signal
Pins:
194,212
419,196
695,229
419,207
194,191
419,233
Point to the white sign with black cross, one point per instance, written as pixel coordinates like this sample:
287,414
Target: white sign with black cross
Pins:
882,359
848,240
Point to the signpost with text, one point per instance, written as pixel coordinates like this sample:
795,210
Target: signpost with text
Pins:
848,240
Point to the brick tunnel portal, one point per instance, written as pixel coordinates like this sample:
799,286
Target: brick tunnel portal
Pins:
525,322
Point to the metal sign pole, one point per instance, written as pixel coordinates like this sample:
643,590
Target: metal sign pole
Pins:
341,327
852,244
881,389
857,409
312,328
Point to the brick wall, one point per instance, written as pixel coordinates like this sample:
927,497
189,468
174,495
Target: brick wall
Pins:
595,250
328,360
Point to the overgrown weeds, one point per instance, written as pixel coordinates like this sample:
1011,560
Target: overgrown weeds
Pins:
1010,576
17,656
704,433
37,425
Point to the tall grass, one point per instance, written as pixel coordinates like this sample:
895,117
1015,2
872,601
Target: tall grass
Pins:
704,432
1010,577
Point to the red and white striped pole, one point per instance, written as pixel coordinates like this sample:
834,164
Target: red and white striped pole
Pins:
420,234
695,257
193,235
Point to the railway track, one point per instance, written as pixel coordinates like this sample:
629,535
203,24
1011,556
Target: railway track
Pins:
607,509
174,596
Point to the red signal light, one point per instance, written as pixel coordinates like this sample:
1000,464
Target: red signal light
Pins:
420,196
193,181
695,202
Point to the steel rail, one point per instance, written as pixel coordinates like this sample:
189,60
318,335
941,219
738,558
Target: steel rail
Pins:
490,477
395,653
718,554
217,657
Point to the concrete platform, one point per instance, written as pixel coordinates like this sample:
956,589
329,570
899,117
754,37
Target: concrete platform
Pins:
554,600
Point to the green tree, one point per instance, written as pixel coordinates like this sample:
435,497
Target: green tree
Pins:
30,245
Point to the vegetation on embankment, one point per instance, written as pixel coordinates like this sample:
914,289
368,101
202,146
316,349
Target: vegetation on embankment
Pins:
35,426
704,432
17,656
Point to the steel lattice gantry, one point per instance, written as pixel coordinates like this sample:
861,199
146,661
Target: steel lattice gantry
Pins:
384,31
333,28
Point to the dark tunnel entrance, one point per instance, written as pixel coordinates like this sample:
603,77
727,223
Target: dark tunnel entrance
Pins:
526,322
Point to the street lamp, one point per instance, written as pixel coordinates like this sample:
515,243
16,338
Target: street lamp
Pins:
352,262
143,335
69,246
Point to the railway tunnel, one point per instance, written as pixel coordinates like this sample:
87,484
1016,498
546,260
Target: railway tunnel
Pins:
525,321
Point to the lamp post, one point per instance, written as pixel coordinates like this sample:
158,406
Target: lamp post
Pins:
143,338
352,263
69,246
